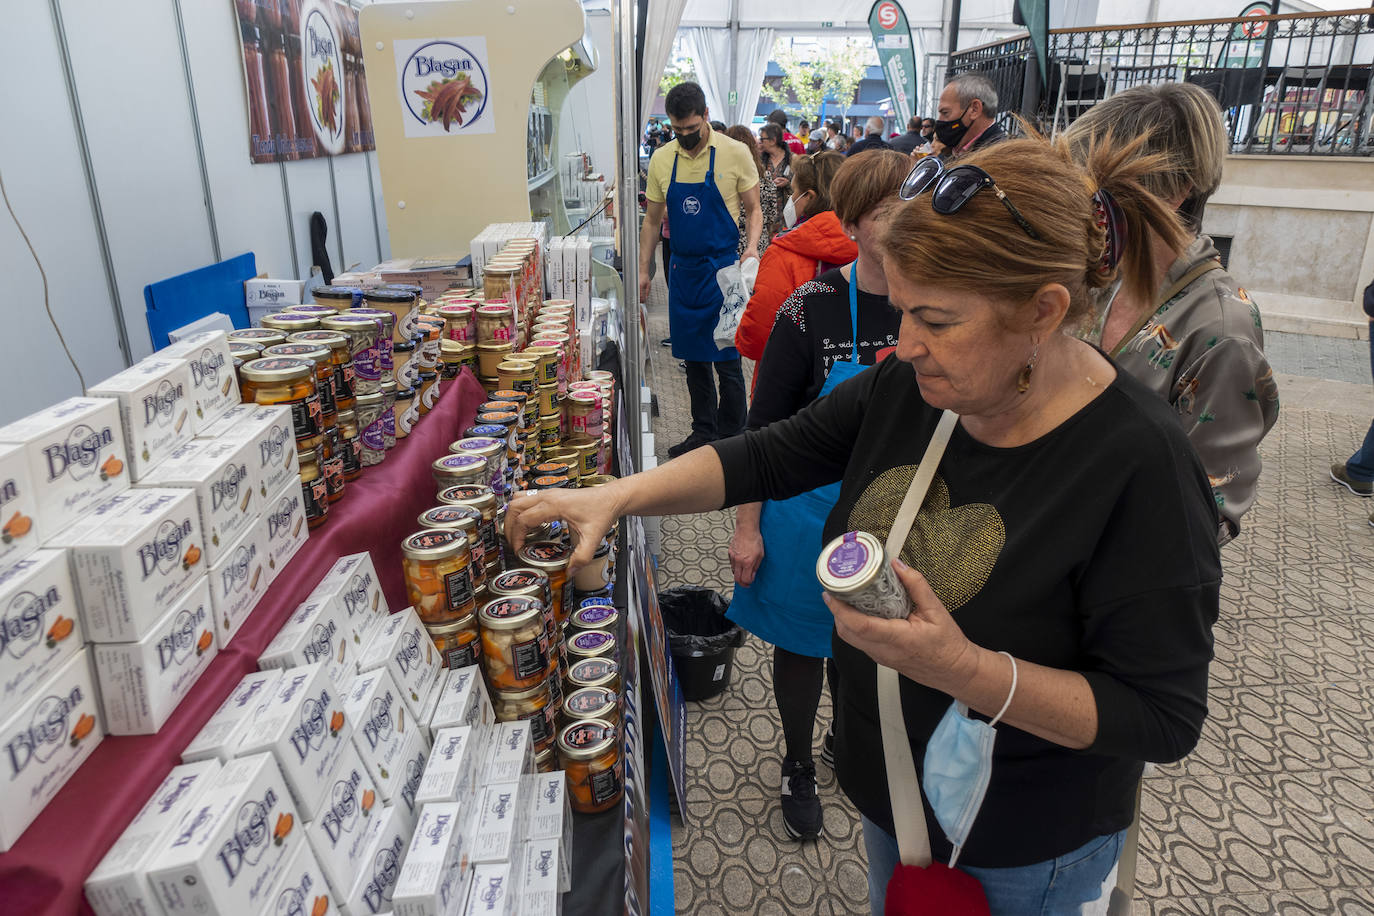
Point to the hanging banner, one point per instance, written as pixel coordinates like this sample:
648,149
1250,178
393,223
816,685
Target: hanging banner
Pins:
303,75
892,36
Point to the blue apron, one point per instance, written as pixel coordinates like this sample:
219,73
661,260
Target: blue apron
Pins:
783,606
705,239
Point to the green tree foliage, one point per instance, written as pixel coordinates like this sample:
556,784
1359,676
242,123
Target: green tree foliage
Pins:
679,71
805,84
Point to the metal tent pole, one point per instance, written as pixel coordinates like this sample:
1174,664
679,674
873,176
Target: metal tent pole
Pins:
627,207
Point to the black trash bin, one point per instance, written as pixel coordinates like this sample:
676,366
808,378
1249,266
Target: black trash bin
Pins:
700,637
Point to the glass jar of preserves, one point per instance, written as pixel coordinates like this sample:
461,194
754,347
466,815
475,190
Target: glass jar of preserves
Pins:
438,582
550,404
400,304
404,365
455,470
362,343
492,451
483,500
517,374
583,409
552,469
407,412
291,383
534,706
590,752
324,374
429,391
594,672
261,337
591,644
547,762
601,617
371,433
547,362
526,406
340,297
469,521
314,310
314,490
588,453
290,322
515,649
350,445
592,703
531,583
550,433
386,363
389,412
460,321
500,281
455,356
340,361
559,339
430,328
596,575
459,643
245,351
490,355
332,465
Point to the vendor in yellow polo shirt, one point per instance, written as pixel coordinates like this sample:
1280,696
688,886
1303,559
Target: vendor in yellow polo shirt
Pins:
701,180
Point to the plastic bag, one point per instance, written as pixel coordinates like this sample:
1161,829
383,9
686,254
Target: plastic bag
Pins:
736,296
696,623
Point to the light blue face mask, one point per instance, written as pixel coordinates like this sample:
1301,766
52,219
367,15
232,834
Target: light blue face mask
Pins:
958,767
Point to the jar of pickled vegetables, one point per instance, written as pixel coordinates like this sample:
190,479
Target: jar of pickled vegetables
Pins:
362,335
371,433
551,558
534,706
291,383
438,581
340,361
324,373
290,322
350,445
483,500
259,337
547,762
469,521
594,672
459,643
592,703
314,490
590,752
515,648
531,583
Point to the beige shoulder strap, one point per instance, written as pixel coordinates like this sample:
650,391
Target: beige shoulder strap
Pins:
908,814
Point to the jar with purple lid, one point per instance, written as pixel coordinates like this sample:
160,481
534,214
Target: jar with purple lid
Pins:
854,569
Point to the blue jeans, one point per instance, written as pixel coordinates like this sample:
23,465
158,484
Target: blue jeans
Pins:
1077,882
1361,464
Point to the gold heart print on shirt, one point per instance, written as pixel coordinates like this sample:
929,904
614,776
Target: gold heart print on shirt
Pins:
954,548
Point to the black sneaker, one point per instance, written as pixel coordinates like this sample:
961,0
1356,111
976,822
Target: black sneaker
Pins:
801,809
695,440
828,748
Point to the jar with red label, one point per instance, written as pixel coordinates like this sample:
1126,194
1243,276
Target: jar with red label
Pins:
469,521
314,490
289,382
582,409
324,373
590,752
594,672
483,500
515,648
350,445
460,320
592,703
332,464
459,643
531,583
534,706
340,361
438,579
362,343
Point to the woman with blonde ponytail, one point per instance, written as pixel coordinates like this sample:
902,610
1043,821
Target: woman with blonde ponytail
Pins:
1062,571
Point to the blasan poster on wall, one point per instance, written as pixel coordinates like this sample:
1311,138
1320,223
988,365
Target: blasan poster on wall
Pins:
445,86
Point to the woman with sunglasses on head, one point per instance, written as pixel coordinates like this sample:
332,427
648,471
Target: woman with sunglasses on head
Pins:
1062,571
1189,332
829,329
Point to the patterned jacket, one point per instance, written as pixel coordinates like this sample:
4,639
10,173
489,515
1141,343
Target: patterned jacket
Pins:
1203,351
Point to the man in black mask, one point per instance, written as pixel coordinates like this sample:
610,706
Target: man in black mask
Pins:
965,120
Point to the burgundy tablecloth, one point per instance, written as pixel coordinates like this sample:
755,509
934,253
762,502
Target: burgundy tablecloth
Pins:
44,872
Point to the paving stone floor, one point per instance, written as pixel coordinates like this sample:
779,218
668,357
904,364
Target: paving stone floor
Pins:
1274,811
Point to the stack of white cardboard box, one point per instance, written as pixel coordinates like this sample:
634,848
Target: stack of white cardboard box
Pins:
352,736
127,516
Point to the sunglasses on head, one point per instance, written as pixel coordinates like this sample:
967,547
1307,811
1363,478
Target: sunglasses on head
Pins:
951,189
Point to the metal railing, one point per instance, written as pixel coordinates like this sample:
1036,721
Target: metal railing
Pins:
1294,84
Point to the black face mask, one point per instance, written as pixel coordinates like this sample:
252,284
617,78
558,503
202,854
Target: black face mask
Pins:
951,132
689,141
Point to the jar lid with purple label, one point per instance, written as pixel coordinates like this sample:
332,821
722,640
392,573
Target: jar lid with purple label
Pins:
849,562
591,644
486,430
478,445
595,617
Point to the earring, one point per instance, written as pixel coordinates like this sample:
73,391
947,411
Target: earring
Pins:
1023,381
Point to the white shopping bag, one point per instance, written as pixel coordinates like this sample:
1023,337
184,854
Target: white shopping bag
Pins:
736,295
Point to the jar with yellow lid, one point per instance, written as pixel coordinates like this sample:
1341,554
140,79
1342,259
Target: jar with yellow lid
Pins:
290,322
438,581
459,643
589,750
362,335
547,357
430,389
245,351
340,361
467,520
455,356
407,411
550,433
371,433
517,374
350,445
314,490
481,498
291,383
490,355
592,703
515,649
460,320
324,374
261,337
535,706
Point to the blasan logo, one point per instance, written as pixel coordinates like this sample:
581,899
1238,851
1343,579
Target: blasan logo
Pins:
322,66
159,406
544,864
494,892
553,791
502,806
514,737
408,653
309,733
46,733
379,722
166,802
415,768
270,294
291,901
449,750
342,814
234,576
205,368
437,832
273,446
179,643
280,519
225,490
355,596
163,553
386,868
245,846
79,456
21,626
189,832
247,696
321,645
444,83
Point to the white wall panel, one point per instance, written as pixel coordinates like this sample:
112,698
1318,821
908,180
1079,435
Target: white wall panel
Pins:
43,176
139,128
309,183
381,204
355,213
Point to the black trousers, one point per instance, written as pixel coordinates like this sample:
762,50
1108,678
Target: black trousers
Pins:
715,418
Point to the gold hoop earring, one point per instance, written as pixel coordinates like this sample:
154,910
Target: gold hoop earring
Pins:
1023,381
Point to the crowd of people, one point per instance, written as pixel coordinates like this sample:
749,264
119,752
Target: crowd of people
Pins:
1063,571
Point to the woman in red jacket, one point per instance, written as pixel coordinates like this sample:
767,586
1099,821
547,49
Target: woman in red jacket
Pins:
816,244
